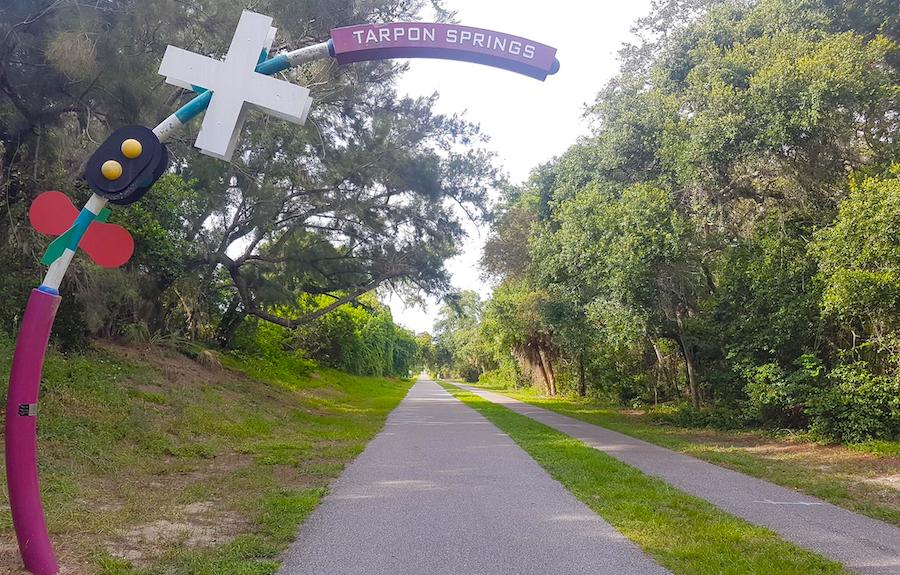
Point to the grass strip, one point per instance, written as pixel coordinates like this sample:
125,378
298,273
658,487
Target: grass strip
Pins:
843,484
152,464
683,533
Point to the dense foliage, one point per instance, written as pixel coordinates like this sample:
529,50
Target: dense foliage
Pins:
728,236
360,338
306,220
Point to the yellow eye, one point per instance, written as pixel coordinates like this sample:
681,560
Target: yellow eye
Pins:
132,149
111,170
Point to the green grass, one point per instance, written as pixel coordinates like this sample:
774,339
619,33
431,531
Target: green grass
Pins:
683,533
878,447
840,475
130,444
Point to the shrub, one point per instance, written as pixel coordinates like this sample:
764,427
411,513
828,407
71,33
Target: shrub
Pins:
359,339
210,359
470,373
859,406
717,416
507,376
779,397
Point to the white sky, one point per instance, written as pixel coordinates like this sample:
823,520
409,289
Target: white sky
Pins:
528,122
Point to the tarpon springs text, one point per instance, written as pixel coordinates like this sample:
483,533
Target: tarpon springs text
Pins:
452,36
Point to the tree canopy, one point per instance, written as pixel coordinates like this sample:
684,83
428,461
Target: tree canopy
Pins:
369,195
727,233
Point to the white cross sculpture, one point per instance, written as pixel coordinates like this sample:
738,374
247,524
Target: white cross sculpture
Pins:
236,86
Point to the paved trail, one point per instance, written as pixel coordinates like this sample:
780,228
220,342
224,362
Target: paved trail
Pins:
861,544
443,491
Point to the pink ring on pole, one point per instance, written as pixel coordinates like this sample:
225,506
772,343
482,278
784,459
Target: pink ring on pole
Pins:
21,434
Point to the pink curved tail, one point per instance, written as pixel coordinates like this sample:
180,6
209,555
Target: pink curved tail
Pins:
21,434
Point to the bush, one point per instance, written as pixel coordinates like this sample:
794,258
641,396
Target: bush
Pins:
507,376
860,406
781,398
362,340
717,416
470,373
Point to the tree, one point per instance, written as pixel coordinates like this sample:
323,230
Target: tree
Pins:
425,352
370,193
859,263
686,220
632,252
379,211
458,348
518,311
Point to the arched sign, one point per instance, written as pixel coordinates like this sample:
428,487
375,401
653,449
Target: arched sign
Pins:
445,41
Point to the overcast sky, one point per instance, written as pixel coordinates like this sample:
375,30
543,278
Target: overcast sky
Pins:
528,122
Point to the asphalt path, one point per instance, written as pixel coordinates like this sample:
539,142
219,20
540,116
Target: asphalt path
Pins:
860,543
442,491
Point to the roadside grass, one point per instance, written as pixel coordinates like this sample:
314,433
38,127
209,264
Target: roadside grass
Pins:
863,478
153,464
878,447
683,533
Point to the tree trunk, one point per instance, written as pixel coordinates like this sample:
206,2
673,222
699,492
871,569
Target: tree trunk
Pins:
543,368
688,362
548,371
230,322
660,374
582,384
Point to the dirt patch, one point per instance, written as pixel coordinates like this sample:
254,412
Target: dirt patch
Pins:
69,563
209,471
888,481
9,559
174,366
177,370
195,525
829,458
165,494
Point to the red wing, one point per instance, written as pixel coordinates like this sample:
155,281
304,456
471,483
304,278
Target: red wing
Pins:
109,245
52,213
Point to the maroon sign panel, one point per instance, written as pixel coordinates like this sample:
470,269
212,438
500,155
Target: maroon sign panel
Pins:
445,41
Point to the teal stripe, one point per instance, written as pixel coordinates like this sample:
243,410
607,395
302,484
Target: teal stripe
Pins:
56,249
79,228
274,65
193,108
73,235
